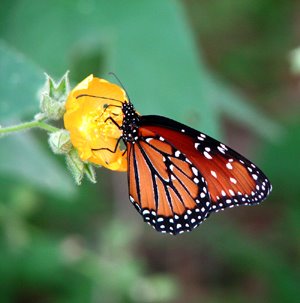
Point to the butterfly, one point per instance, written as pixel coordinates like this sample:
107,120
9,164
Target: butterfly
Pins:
178,176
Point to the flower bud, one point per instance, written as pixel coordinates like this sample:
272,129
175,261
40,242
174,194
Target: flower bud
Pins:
60,142
52,109
53,97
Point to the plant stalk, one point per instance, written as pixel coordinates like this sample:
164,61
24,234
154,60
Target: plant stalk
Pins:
28,125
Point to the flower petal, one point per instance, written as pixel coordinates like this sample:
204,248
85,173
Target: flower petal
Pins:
90,108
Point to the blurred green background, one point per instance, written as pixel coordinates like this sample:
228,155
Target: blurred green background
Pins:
224,67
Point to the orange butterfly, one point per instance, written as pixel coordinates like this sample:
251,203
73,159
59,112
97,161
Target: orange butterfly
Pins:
177,176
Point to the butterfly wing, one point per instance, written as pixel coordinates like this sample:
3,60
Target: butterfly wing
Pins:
177,175
164,186
231,179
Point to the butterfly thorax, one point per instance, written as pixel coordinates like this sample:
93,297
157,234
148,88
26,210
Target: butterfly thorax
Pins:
130,123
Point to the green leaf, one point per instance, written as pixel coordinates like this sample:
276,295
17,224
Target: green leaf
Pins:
24,159
236,107
159,62
163,71
252,255
22,156
20,81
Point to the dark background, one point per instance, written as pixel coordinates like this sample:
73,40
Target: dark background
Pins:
227,68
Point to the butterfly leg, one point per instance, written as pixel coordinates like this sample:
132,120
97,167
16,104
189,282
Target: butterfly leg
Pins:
108,149
113,121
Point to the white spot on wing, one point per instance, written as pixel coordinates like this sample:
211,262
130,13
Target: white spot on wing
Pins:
232,180
207,155
213,173
221,150
229,166
195,171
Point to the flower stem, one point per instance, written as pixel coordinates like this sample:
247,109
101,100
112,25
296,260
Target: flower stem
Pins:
27,125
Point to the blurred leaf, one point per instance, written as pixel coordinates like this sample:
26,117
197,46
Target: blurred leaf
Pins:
20,80
158,62
23,157
285,175
249,254
285,169
155,289
230,102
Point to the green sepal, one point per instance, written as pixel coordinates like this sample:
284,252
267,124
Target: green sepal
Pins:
89,171
75,165
53,97
58,90
60,142
78,168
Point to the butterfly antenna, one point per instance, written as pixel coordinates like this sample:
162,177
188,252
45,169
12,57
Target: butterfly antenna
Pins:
121,84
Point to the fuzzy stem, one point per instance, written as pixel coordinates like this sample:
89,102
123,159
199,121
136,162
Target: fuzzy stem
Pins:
28,125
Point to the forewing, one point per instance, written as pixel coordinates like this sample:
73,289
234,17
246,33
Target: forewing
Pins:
231,179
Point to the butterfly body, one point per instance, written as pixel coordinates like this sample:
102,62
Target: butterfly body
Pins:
177,175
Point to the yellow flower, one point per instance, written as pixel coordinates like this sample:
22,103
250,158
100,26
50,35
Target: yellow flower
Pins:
88,107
